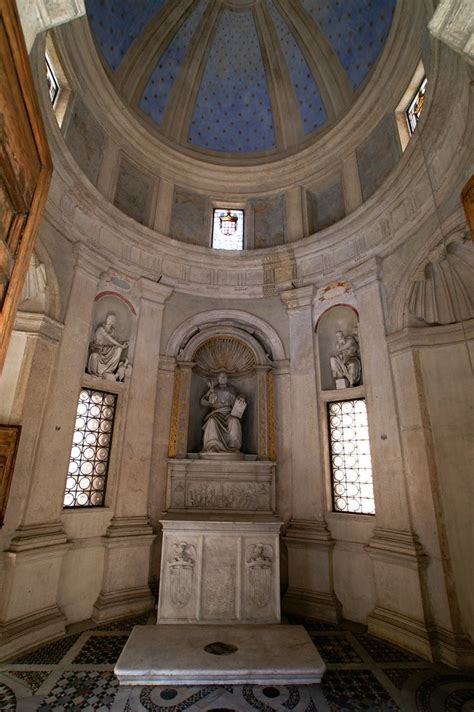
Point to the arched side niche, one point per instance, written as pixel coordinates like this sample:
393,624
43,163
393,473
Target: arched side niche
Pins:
110,361
202,356
338,347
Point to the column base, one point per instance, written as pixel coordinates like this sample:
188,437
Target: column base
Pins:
452,649
20,634
310,590
402,630
399,564
122,603
125,590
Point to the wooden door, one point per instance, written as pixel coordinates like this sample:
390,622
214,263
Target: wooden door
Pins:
25,167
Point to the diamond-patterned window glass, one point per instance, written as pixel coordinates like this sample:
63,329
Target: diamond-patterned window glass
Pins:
351,467
416,105
53,84
89,460
228,230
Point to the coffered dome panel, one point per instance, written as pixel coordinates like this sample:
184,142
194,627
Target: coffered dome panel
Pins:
231,77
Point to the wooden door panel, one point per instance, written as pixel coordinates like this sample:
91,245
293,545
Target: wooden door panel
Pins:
25,167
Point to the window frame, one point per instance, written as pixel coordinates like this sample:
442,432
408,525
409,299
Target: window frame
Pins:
232,207
328,402
406,100
92,385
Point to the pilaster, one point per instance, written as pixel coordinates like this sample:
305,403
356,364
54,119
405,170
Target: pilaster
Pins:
309,543
402,612
129,537
37,547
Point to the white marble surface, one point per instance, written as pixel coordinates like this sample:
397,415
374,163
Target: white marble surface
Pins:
220,484
218,568
175,655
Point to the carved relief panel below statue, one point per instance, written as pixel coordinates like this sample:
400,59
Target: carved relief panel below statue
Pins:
215,571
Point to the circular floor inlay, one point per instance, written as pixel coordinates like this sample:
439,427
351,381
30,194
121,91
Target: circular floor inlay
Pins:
168,694
219,648
271,692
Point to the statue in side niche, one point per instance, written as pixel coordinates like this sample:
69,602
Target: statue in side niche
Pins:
346,366
105,351
222,429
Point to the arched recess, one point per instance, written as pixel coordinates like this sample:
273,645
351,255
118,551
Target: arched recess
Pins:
264,346
260,329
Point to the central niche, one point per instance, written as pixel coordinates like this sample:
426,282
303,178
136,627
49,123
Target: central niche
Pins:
215,357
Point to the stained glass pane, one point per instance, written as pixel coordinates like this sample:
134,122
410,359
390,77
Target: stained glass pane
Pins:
416,105
89,460
53,84
351,466
228,229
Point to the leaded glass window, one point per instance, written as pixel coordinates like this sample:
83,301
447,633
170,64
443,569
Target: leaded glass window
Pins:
89,460
351,467
228,229
416,105
53,84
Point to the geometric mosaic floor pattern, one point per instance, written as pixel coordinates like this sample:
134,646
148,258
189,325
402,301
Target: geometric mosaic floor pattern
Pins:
364,674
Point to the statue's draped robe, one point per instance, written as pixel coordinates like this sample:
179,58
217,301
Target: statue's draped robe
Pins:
222,432
105,357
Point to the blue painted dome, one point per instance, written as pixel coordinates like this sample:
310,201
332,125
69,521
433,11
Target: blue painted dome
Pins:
240,76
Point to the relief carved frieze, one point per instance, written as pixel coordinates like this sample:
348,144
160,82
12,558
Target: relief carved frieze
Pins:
209,495
181,565
259,565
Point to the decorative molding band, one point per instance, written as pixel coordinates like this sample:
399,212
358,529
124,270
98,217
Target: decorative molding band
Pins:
317,604
121,603
125,527
40,325
397,547
305,532
455,650
30,630
28,538
298,298
416,337
402,630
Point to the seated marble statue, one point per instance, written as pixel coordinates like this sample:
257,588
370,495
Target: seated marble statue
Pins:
222,429
105,350
346,363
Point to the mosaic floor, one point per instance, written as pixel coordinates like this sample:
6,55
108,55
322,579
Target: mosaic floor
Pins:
363,673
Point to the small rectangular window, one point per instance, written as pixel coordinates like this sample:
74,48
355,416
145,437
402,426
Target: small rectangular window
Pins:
228,229
415,107
89,460
53,84
351,467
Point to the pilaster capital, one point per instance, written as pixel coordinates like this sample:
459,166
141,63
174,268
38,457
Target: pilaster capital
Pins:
364,273
89,260
153,291
186,365
39,325
453,24
298,298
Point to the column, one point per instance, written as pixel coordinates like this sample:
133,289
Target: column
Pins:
183,395
402,612
308,540
125,585
263,424
38,545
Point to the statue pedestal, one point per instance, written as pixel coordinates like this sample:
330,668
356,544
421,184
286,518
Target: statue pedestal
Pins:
220,485
220,568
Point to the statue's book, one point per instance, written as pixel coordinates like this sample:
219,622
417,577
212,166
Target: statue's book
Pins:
238,408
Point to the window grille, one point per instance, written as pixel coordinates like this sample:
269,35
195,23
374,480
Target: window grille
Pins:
415,107
228,229
351,468
89,460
